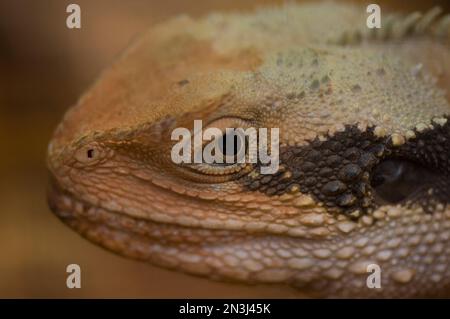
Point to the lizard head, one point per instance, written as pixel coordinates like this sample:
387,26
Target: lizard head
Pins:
363,176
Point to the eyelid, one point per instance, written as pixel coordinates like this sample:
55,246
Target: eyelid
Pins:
226,122
229,122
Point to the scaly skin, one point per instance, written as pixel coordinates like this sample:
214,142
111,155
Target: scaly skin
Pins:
346,99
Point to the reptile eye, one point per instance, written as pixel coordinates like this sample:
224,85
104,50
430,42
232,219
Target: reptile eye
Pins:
397,180
232,149
231,146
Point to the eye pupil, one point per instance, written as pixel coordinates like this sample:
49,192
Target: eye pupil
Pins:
230,144
226,139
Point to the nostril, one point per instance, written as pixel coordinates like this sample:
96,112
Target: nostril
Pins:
87,155
90,153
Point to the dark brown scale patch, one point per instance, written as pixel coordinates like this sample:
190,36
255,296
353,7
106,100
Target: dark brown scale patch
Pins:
333,188
350,172
338,171
346,200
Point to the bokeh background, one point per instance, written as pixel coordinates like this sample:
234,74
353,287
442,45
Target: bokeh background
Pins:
44,68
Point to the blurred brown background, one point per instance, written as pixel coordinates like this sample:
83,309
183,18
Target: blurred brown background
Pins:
44,67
